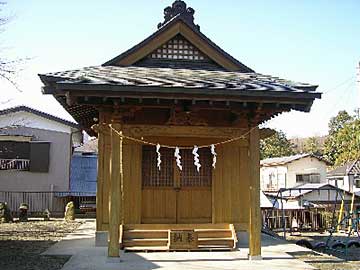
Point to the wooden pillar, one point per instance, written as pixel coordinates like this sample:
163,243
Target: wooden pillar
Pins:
100,179
115,196
254,198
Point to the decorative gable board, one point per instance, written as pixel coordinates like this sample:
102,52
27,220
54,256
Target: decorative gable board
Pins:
180,53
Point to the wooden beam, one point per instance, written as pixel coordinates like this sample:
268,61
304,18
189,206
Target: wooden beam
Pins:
182,131
254,195
115,197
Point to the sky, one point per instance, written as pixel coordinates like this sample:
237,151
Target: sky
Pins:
316,42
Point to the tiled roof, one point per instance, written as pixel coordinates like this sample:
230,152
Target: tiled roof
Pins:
284,160
164,79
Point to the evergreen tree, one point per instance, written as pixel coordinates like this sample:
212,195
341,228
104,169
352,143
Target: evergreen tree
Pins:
342,144
276,145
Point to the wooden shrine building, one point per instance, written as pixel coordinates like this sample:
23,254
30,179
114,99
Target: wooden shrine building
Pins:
173,91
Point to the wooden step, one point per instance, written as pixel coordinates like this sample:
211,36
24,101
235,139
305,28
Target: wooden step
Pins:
214,248
143,234
145,242
208,233
175,226
216,242
146,248
154,237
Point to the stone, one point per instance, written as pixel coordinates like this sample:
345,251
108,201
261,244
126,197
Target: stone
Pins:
46,214
70,212
5,213
23,212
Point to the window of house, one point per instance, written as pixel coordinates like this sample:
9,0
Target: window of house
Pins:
272,181
24,156
357,182
308,178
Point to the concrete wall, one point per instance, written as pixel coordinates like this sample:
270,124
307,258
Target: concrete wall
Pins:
284,176
306,165
59,167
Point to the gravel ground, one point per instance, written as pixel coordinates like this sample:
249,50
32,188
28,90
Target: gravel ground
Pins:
22,243
328,261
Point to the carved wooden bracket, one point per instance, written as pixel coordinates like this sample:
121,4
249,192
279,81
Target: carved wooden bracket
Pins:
181,118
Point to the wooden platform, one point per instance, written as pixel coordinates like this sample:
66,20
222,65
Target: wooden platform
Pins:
155,237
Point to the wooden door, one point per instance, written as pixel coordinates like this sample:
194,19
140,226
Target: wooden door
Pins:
158,193
194,200
173,196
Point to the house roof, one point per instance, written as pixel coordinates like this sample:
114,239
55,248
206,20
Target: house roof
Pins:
305,189
285,160
38,113
349,168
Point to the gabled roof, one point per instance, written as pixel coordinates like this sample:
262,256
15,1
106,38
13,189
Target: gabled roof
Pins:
349,168
178,25
285,160
38,113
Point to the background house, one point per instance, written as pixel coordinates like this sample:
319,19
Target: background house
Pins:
291,171
35,154
309,204
346,177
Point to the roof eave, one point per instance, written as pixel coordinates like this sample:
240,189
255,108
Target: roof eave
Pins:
69,86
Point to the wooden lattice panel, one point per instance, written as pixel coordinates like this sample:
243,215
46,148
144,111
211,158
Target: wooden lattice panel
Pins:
151,176
189,176
178,48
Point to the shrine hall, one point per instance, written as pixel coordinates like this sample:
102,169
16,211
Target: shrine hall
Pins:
177,120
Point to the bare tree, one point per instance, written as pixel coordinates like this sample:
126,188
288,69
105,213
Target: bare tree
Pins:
8,67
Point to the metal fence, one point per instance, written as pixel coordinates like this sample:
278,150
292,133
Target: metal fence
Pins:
38,201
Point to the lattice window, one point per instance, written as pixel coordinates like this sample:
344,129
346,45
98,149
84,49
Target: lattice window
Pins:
190,177
151,176
178,48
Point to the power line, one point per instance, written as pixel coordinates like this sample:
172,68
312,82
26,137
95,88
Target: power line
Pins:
337,86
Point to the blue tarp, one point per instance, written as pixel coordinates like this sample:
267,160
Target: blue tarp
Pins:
83,175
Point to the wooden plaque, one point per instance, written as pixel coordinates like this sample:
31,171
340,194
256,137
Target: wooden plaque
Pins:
183,239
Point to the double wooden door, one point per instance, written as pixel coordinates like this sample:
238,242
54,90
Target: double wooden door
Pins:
173,196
